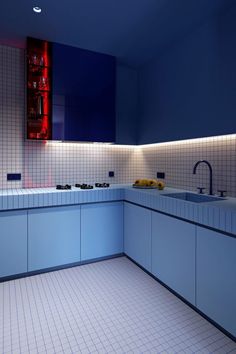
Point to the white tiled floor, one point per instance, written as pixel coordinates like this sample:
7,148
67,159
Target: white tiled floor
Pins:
105,307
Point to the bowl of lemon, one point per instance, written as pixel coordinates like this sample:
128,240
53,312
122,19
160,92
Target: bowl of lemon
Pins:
147,183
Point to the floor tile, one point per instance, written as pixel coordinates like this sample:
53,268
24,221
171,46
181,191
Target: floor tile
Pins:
105,307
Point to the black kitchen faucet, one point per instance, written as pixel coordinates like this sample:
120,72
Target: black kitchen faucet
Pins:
210,169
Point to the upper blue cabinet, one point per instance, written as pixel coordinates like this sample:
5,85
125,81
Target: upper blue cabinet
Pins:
84,95
189,90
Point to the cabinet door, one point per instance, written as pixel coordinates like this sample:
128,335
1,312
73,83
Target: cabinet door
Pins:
173,254
54,237
137,234
216,277
13,243
101,230
84,87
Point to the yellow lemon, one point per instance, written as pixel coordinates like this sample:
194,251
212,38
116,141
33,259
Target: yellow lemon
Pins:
160,185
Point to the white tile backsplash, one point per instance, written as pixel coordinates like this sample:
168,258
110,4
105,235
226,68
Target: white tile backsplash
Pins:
76,163
47,164
12,111
177,160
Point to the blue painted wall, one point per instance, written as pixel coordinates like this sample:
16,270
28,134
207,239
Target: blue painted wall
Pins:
189,91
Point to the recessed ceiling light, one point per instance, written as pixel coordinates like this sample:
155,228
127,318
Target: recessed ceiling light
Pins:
37,9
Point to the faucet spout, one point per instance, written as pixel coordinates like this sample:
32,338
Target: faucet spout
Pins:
210,171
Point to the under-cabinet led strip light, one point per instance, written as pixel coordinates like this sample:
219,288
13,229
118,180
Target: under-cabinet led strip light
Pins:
153,145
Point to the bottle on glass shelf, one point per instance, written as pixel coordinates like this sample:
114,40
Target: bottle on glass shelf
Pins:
32,113
34,59
43,83
41,61
40,105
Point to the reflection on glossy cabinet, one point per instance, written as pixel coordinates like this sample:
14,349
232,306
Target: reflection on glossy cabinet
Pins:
137,234
173,254
13,243
101,230
54,237
84,88
216,277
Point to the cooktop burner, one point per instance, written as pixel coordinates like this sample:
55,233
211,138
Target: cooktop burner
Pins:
83,186
63,187
102,185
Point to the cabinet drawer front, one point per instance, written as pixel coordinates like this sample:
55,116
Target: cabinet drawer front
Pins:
216,277
137,234
101,230
54,237
13,243
173,254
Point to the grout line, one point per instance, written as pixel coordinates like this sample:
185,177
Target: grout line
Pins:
151,239
27,230
123,204
195,283
80,230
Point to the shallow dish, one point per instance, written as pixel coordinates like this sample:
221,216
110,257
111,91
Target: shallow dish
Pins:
144,187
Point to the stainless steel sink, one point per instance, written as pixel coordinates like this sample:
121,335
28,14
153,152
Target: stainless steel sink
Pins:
192,197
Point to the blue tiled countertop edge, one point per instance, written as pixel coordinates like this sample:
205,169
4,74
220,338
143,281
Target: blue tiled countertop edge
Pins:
220,215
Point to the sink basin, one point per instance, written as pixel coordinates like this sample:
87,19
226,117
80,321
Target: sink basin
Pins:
192,197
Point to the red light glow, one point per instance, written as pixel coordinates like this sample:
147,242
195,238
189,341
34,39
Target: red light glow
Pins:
39,90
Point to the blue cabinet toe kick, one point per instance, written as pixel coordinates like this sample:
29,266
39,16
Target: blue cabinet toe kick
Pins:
64,266
179,296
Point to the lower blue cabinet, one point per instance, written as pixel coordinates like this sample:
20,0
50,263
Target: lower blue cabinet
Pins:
101,230
173,254
216,277
137,234
53,237
13,243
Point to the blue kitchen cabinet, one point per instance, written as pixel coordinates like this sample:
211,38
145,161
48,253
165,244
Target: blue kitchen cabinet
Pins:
216,277
101,230
13,243
173,254
137,234
83,95
53,237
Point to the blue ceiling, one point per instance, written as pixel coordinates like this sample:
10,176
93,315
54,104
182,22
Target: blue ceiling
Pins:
133,30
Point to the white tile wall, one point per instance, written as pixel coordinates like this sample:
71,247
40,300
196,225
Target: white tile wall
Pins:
57,163
177,160
47,164
12,108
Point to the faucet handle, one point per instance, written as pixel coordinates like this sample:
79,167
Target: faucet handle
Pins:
201,189
222,193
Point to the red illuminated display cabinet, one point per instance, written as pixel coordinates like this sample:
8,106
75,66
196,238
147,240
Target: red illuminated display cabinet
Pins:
39,95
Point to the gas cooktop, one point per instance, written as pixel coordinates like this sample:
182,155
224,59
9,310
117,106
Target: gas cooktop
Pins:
63,187
102,185
82,186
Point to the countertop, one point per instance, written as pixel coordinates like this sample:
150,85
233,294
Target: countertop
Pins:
220,215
